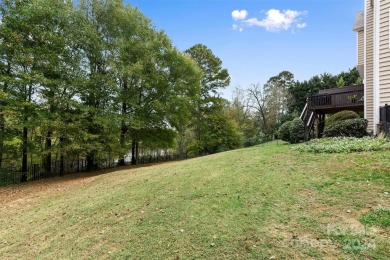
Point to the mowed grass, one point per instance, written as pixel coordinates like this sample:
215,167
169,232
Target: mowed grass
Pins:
264,202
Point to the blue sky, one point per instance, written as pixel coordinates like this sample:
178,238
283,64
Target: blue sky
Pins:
257,39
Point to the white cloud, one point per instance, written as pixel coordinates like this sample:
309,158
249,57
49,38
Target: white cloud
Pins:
277,20
237,28
239,14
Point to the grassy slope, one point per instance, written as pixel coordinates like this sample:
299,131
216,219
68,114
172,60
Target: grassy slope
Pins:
255,203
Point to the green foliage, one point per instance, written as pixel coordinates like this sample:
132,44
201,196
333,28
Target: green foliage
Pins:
284,131
84,80
230,137
340,116
350,77
218,132
359,81
351,127
276,100
292,131
282,98
343,145
288,117
244,118
340,82
214,131
214,76
380,217
300,91
8,176
351,242
297,130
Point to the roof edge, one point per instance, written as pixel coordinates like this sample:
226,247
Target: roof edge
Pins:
358,24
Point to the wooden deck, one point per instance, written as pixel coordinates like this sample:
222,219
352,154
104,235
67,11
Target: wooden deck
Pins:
329,101
338,99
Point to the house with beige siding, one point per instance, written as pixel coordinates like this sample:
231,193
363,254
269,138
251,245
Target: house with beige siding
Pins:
372,27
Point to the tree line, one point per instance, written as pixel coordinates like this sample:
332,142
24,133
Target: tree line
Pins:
98,81
262,109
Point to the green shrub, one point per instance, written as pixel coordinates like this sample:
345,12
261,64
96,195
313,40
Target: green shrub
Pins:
292,131
297,131
284,131
341,116
351,127
343,145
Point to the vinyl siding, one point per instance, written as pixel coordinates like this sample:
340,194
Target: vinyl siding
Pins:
369,66
384,54
360,47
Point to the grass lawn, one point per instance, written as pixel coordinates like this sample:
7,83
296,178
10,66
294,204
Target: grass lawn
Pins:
264,202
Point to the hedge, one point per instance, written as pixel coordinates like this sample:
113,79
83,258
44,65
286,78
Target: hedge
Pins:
297,130
292,131
284,131
341,116
351,127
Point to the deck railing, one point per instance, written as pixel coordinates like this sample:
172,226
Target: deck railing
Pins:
337,100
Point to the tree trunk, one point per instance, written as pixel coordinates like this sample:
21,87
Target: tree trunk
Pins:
47,159
62,158
137,152
198,124
90,161
198,117
24,154
182,142
25,135
133,153
124,129
2,119
2,131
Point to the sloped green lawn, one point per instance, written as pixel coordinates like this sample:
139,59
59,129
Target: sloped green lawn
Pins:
264,202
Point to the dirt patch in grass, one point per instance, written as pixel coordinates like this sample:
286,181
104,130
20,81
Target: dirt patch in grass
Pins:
309,245
17,195
26,193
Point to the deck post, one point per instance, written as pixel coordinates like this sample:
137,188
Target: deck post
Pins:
321,125
316,125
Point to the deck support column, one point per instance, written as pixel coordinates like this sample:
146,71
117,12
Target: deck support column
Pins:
321,125
316,125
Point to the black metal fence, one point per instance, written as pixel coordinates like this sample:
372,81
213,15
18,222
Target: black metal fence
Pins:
15,175
385,120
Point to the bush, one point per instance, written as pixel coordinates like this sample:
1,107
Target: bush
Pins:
297,130
292,131
343,145
351,127
341,116
284,131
